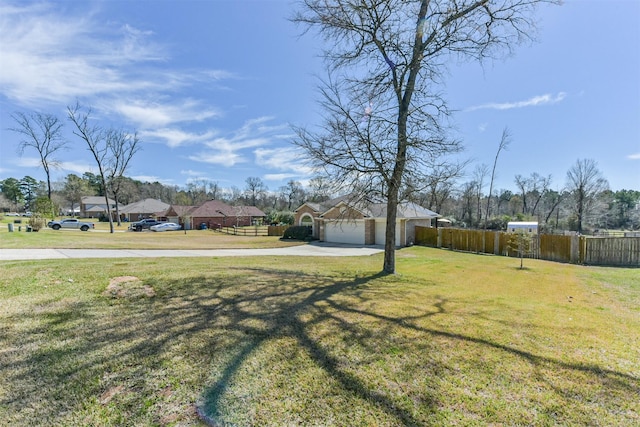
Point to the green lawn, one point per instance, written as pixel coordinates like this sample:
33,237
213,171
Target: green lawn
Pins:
453,339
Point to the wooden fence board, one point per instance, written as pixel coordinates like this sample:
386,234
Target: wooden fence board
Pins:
618,251
613,251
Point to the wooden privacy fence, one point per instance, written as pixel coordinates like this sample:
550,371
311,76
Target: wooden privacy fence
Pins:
621,251
614,251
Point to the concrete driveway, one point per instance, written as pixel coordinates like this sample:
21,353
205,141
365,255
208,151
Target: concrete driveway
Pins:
312,249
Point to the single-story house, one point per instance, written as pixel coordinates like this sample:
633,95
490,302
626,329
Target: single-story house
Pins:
342,220
180,215
94,206
146,208
215,214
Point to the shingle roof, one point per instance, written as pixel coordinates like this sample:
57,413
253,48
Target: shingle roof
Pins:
376,210
95,200
213,208
146,206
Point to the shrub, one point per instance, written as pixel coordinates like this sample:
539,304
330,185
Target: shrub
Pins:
36,222
297,232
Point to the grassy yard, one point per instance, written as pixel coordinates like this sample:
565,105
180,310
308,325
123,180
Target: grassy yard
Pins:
123,239
454,339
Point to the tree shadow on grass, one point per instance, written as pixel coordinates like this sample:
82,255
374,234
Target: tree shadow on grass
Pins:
133,361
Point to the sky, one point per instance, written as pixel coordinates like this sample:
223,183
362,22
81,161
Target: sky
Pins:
214,87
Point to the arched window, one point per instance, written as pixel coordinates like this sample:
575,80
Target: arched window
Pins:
306,220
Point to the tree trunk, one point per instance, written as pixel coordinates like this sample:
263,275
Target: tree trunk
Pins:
389,265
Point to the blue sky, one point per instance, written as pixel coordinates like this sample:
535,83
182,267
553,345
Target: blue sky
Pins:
213,88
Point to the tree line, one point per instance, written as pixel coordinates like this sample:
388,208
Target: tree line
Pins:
580,205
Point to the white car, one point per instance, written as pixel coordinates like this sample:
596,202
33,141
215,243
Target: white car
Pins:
165,226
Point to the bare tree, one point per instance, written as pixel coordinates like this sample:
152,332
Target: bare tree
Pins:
467,195
440,183
523,185
43,133
122,147
292,193
479,175
584,181
254,190
385,116
504,145
95,138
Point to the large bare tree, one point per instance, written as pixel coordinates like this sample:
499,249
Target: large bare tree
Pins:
504,145
112,150
122,147
585,182
385,114
96,139
43,133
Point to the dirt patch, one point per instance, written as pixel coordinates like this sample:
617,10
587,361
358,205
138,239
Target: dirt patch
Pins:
109,394
128,287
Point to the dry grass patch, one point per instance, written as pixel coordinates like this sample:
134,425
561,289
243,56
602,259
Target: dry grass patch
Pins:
128,287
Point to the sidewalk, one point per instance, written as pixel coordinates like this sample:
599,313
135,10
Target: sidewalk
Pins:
301,250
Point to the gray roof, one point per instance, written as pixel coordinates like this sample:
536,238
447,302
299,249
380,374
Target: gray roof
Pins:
146,206
95,200
407,210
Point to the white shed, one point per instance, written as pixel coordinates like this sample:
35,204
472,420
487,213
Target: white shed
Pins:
522,227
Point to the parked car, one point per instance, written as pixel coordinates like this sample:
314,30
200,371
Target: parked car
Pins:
144,224
71,223
165,226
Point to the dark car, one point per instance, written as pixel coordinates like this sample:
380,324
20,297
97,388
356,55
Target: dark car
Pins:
144,224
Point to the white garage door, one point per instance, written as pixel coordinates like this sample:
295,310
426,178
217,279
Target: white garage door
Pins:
381,229
344,232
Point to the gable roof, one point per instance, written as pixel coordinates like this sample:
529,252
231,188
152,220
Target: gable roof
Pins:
406,210
212,208
95,200
248,211
178,210
145,206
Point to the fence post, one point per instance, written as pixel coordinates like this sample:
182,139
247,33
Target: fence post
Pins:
496,243
439,239
575,249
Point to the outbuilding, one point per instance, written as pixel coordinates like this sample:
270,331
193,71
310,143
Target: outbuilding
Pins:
530,227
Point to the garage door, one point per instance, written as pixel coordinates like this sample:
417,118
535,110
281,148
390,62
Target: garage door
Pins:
344,232
381,229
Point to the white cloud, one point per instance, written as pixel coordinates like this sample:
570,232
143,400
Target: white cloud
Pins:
221,157
176,137
77,167
635,156
285,159
279,176
535,101
50,54
192,173
152,178
231,150
149,115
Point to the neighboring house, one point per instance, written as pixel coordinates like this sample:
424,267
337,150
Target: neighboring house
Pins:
215,214
343,221
180,215
147,208
95,206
